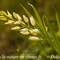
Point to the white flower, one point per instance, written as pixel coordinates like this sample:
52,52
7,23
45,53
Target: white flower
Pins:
34,31
25,19
32,21
9,22
33,38
24,31
15,28
17,16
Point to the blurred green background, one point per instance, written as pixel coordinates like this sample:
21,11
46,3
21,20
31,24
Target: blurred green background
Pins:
10,40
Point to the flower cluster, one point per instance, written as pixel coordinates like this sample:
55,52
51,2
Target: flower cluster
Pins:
25,25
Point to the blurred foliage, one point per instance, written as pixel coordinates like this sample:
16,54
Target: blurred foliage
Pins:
10,41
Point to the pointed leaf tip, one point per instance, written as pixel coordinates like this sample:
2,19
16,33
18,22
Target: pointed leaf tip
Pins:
29,4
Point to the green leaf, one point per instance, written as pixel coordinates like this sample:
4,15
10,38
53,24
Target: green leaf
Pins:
37,15
58,22
55,38
40,25
29,15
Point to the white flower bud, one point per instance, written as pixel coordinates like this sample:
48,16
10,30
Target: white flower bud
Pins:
34,31
25,19
9,22
24,31
3,13
9,15
3,18
15,28
17,16
33,38
17,22
32,21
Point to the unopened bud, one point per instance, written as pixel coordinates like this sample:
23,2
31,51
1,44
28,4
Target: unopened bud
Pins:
9,22
24,31
15,28
32,21
34,38
34,31
3,13
17,22
25,19
17,16
9,15
3,18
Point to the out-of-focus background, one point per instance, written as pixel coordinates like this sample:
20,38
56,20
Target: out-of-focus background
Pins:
10,39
